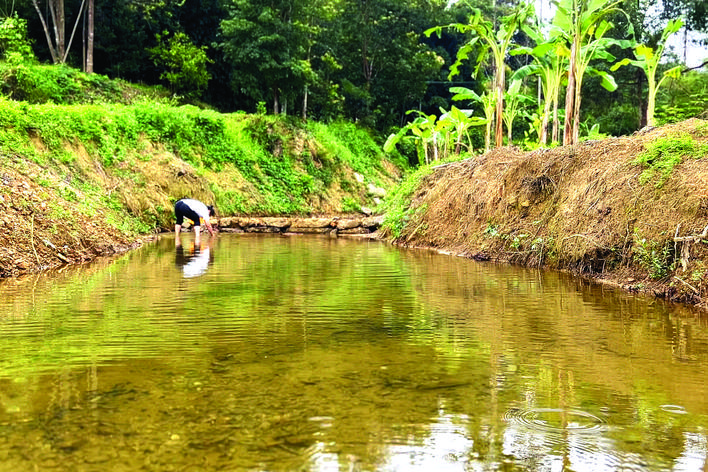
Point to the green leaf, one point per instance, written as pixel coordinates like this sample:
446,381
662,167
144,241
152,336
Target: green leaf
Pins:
644,52
674,72
607,81
595,5
624,62
463,93
543,49
673,26
603,28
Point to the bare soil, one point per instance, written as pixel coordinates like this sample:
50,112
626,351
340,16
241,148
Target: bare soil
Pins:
579,208
35,234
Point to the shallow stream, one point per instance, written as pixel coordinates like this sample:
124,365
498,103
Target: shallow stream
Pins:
319,354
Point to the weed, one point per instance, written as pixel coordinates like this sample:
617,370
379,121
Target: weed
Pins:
517,242
491,230
697,275
665,153
398,208
349,205
656,258
702,130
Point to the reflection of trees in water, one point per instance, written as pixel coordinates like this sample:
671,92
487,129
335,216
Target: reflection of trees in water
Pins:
335,404
306,352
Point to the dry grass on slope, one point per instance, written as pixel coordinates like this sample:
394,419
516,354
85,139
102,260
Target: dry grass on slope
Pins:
589,208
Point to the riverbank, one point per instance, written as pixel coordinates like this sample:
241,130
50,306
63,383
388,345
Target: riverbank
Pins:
79,182
629,211
35,236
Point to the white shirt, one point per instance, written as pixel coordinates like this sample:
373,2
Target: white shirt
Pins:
197,207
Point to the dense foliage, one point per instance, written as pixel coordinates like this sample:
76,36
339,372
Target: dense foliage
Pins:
135,158
366,61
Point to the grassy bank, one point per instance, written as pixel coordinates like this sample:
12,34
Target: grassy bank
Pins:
630,210
83,179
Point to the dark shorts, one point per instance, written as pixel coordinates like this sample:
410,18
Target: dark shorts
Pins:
183,211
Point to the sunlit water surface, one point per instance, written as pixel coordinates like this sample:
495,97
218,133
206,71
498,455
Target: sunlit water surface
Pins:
319,354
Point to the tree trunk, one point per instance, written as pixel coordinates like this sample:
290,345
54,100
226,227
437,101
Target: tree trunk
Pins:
640,98
556,121
50,43
543,135
56,8
543,138
58,47
576,112
651,101
276,106
499,131
570,95
89,34
488,136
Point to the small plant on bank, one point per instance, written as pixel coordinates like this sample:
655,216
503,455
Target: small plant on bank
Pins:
349,205
518,241
491,230
15,48
655,257
398,209
665,153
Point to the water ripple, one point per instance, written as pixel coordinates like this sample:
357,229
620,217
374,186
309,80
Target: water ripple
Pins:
675,409
555,419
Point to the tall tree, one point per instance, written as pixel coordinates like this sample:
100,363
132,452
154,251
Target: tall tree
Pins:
583,24
385,65
266,46
497,39
90,11
55,41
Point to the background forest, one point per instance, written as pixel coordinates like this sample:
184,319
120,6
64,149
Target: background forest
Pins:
366,61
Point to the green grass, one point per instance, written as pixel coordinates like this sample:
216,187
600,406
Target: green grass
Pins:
399,212
62,85
286,163
662,156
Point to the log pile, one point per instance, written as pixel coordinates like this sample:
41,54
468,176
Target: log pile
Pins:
334,226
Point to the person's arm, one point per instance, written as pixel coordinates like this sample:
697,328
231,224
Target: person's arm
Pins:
209,227
177,228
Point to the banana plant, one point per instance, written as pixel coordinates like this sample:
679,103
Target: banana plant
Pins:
550,60
498,42
458,122
514,99
433,135
427,135
648,59
488,102
582,23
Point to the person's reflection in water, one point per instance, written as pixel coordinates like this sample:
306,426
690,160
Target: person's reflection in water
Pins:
194,260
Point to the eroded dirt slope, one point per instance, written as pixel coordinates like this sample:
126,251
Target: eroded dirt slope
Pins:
582,208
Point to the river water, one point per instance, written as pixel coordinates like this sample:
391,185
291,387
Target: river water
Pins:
319,354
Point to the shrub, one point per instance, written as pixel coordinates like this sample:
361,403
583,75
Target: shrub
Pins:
185,64
14,45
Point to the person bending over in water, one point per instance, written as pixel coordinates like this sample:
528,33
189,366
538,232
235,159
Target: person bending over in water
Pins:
195,211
